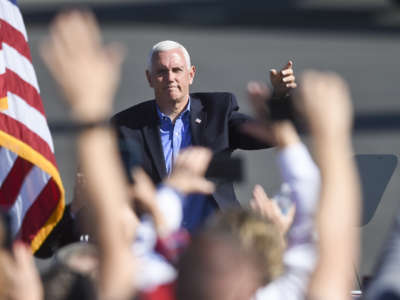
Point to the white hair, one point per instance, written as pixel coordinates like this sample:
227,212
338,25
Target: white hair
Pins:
166,46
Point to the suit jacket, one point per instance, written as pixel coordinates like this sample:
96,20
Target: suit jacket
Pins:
214,121
138,132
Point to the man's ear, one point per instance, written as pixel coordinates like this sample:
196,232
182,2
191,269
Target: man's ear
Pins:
148,78
192,72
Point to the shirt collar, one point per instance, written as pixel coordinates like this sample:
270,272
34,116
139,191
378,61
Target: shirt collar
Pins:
184,114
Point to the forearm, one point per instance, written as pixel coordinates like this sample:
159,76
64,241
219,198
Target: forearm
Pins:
337,219
107,192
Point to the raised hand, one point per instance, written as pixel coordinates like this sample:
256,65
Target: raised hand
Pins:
269,209
324,100
19,278
188,173
87,71
283,80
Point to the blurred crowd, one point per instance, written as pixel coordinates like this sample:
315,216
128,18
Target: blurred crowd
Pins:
302,243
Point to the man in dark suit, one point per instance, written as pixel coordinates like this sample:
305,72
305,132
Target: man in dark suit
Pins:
176,119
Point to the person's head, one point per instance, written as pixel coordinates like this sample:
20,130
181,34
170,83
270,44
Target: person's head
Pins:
169,72
255,233
79,257
62,283
238,252
215,266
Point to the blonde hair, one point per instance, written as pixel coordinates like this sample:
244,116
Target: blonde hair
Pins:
257,235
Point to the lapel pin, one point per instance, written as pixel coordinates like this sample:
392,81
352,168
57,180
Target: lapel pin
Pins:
198,121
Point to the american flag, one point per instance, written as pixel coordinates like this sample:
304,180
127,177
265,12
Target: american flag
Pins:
30,185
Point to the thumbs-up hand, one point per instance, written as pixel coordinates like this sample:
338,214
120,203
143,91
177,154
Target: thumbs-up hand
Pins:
283,81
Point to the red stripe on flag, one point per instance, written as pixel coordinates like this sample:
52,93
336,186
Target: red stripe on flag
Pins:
40,211
12,183
11,82
13,37
27,136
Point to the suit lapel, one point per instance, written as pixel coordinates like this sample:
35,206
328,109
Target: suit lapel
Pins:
198,120
151,133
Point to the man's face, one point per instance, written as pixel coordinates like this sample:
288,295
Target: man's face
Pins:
170,76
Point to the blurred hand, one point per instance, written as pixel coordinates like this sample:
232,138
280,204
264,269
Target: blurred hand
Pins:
87,71
284,80
143,192
324,100
188,172
258,94
143,189
269,209
19,278
280,133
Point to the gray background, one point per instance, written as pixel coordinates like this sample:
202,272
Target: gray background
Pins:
228,57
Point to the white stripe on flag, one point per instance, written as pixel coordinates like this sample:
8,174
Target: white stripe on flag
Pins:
11,14
2,63
7,159
33,184
20,65
21,111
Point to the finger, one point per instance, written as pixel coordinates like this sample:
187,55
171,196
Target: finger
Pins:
254,192
286,72
205,160
253,88
266,208
289,79
291,85
116,53
78,30
258,93
201,185
253,205
257,90
273,73
139,175
289,65
8,268
53,51
194,162
276,210
63,33
259,193
23,257
181,158
291,213
92,26
47,55
262,200
256,207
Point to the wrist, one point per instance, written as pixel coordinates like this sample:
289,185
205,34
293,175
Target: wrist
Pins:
84,111
279,94
285,134
176,184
